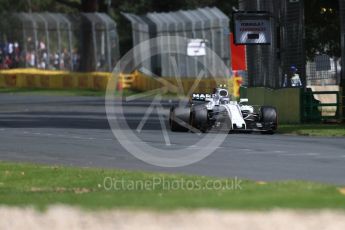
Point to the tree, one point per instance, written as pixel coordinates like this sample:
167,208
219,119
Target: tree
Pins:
322,28
86,51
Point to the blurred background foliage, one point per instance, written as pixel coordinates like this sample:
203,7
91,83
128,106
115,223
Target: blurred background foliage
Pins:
321,16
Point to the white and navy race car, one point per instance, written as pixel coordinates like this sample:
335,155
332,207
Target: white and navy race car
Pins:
216,111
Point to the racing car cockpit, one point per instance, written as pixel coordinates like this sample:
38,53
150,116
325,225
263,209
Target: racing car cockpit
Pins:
220,96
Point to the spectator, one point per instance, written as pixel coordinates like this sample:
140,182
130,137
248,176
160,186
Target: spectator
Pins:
66,57
16,48
36,55
30,59
56,61
295,79
7,62
10,48
285,81
75,60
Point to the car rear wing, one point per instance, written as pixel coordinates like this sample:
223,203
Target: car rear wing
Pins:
201,96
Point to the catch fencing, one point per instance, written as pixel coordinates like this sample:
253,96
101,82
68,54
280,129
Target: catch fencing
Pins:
54,41
267,64
207,27
323,71
342,39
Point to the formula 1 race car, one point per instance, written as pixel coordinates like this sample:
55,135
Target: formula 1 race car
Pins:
216,111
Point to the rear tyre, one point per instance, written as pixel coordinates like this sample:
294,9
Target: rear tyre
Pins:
269,119
179,119
199,118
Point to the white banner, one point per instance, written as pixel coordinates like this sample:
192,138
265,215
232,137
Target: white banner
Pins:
254,29
196,47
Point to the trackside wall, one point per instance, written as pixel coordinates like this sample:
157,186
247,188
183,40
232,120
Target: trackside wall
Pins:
35,78
147,83
287,101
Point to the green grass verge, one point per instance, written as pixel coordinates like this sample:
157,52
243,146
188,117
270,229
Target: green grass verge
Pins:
60,92
41,186
329,130
74,92
53,92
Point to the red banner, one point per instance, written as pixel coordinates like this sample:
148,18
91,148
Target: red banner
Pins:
238,55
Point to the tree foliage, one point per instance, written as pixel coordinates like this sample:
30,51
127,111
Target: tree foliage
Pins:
322,27
33,5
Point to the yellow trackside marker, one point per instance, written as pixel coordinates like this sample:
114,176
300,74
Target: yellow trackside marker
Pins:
342,190
261,182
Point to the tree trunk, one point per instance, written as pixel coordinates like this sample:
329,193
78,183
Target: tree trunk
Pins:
87,51
89,6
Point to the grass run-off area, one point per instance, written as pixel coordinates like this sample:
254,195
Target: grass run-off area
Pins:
43,185
53,92
327,130
70,92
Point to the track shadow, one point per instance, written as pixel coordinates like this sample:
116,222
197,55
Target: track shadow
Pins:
73,120
71,112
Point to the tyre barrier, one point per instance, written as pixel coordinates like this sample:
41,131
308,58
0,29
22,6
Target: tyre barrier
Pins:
143,82
55,79
51,79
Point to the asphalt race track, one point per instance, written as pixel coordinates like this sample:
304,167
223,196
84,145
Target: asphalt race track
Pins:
74,131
